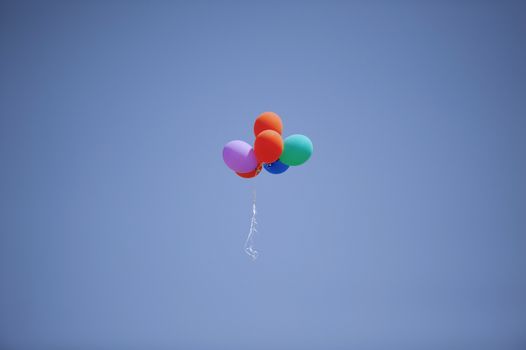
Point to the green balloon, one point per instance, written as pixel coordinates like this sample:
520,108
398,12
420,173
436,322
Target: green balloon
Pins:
297,150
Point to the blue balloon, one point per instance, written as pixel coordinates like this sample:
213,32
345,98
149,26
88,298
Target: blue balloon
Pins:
276,168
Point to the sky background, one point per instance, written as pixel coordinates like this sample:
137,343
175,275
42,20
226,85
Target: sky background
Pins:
121,228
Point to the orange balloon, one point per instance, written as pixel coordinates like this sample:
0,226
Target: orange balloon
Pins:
268,121
253,173
268,146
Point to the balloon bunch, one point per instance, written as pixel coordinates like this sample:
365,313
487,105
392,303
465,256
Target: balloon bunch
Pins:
270,150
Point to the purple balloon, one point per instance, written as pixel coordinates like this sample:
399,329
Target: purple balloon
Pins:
239,156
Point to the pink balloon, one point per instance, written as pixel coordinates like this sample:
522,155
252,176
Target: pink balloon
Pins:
239,156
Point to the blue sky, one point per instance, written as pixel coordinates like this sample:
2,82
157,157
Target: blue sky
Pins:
121,228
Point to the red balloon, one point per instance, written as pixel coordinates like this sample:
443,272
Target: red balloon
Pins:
268,146
253,173
268,121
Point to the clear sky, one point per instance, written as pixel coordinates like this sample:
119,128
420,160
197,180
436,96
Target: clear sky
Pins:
121,228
